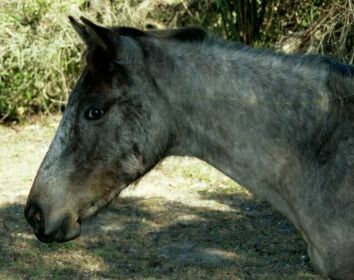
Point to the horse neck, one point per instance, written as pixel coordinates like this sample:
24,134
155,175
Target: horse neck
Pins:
224,98
201,98
263,120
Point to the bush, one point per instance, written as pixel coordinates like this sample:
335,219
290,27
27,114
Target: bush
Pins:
40,53
333,32
320,26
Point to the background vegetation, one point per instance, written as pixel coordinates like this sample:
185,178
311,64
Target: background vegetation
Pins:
40,54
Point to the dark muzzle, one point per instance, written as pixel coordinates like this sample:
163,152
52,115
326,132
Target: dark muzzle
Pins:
60,229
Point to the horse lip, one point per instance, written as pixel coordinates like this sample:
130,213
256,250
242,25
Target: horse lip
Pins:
65,239
60,235
55,238
44,239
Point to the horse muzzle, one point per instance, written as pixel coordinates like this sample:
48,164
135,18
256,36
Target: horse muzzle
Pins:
58,227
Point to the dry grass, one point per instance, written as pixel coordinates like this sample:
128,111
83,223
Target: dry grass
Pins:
336,29
184,220
330,32
40,53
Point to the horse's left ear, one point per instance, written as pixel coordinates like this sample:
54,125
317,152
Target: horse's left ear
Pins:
81,30
93,34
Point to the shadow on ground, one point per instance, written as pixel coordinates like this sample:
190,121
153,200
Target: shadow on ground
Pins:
160,239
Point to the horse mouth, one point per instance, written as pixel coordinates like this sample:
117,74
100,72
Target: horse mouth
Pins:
59,238
67,231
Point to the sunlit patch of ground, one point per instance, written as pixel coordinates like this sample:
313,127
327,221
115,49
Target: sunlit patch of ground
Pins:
184,220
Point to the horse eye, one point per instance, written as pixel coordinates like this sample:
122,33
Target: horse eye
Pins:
94,113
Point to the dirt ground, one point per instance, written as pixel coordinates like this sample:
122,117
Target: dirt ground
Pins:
184,220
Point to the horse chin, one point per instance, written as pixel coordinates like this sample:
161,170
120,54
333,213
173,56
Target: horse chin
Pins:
45,239
93,209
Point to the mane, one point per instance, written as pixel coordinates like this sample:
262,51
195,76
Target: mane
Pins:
341,89
199,35
96,58
184,34
309,59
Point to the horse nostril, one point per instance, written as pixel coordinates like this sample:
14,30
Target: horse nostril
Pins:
34,216
37,218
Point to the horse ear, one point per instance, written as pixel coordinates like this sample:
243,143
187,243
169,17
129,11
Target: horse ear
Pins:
102,36
81,30
93,34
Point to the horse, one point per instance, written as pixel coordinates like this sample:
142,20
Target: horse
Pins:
280,125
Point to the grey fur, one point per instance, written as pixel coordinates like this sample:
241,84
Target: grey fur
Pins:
280,125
